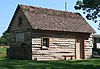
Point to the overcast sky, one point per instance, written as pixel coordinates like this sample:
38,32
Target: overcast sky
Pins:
8,7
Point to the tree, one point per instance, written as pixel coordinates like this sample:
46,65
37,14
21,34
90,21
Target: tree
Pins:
91,8
4,39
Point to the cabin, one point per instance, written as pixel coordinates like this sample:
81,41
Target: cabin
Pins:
46,34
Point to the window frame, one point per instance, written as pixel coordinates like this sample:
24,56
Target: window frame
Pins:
42,47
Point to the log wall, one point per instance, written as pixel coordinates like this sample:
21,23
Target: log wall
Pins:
58,48
59,45
88,47
16,51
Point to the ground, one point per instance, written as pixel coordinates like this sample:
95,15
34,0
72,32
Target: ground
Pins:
60,64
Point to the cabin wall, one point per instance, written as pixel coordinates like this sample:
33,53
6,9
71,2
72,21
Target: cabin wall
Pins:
59,45
17,50
20,35
58,48
88,47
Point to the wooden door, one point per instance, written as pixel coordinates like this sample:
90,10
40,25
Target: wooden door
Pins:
77,48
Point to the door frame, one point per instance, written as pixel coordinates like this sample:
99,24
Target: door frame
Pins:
82,47
77,49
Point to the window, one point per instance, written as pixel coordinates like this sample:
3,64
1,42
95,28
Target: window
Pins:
45,43
96,40
19,21
98,45
20,37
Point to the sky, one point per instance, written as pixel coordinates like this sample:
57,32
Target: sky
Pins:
8,7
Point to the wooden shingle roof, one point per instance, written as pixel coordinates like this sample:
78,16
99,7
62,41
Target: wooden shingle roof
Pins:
56,20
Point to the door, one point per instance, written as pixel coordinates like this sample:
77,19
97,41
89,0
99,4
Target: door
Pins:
77,48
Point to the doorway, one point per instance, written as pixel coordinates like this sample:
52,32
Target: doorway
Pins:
79,49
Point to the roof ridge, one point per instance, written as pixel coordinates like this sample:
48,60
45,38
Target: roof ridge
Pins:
43,8
40,10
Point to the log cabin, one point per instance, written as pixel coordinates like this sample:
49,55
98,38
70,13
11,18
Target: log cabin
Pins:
46,34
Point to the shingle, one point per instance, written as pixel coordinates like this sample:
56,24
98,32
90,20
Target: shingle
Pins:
49,19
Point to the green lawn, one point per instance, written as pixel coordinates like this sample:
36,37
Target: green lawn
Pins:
29,64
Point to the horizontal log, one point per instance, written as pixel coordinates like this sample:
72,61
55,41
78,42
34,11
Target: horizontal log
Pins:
38,45
88,47
51,53
36,48
62,39
36,42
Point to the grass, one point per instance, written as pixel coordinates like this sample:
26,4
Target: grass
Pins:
29,64
2,53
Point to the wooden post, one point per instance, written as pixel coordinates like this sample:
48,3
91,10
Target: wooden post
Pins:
65,6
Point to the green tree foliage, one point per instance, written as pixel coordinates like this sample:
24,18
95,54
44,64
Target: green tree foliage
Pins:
91,8
4,39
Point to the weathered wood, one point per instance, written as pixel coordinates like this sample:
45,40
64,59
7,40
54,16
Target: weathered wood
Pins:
88,47
58,48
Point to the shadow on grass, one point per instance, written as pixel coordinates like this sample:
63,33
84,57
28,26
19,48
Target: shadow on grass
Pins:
29,64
